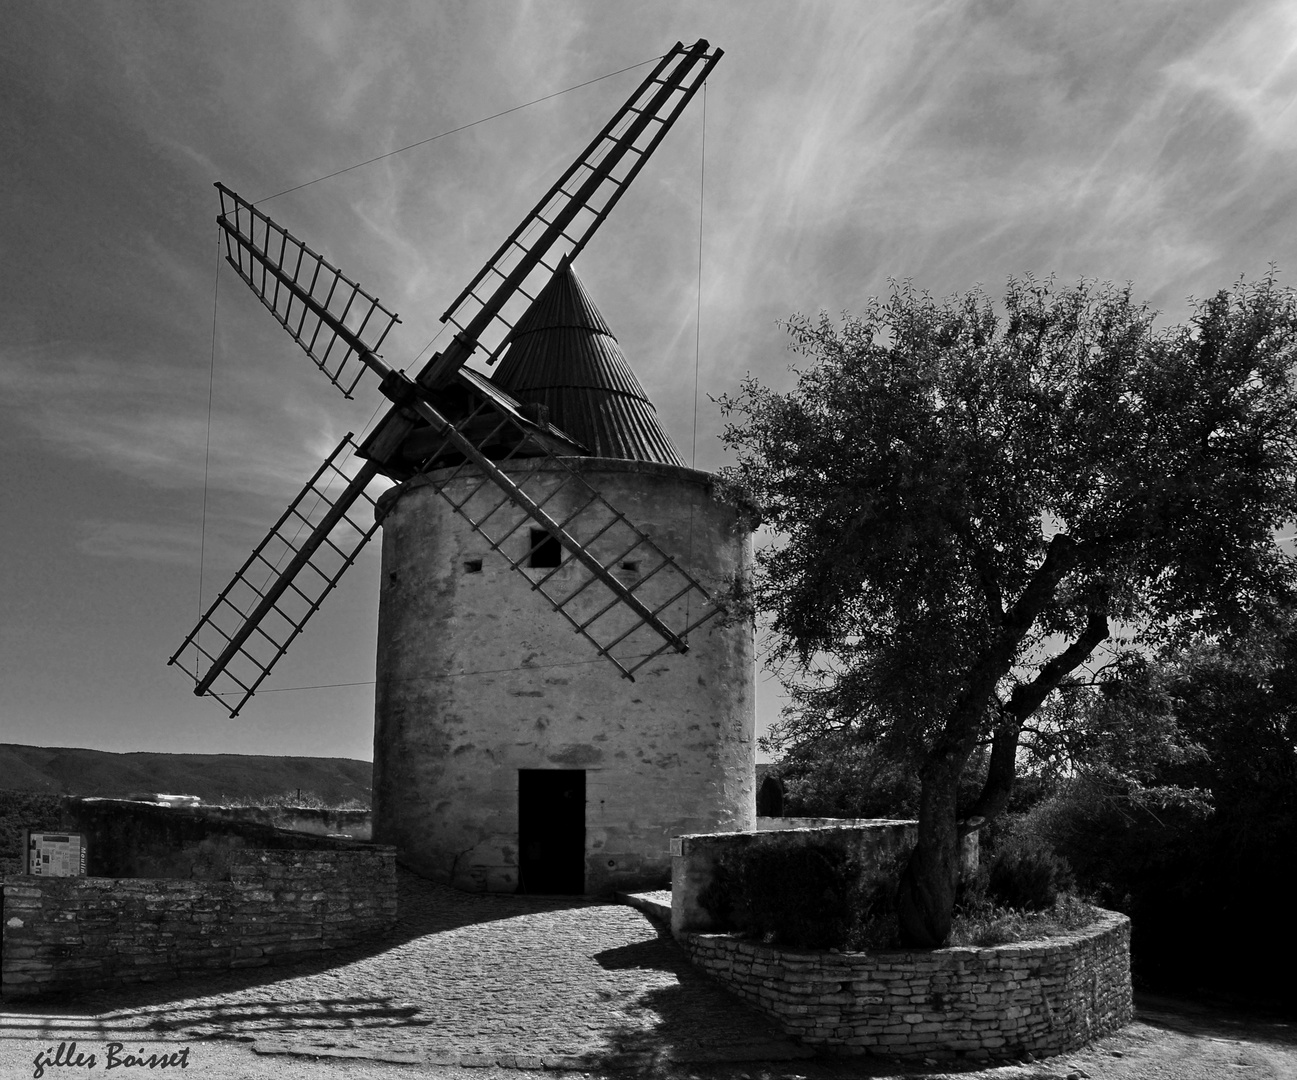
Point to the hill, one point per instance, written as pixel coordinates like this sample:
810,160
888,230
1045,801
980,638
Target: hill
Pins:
59,770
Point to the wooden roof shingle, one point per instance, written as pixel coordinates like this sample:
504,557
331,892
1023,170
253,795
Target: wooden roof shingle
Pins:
562,355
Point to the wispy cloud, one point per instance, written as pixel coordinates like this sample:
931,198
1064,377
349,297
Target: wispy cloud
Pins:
1250,64
175,544
143,421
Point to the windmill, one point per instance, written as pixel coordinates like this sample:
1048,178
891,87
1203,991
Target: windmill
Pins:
449,423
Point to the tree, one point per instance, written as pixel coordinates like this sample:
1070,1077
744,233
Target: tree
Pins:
970,503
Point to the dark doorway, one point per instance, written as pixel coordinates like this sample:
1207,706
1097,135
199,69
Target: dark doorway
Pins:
770,797
551,831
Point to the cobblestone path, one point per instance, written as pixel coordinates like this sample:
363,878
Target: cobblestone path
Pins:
514,980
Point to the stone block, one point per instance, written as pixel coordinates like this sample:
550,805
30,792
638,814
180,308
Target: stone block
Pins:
893,1040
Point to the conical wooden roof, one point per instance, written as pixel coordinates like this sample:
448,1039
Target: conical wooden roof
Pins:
563,355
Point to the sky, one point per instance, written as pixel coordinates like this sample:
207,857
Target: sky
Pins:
154,419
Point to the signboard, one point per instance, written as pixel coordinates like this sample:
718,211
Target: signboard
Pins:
55,854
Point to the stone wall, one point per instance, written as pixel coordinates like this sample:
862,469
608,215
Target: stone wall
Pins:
148,840
355,824
129,838
68,934
1044,997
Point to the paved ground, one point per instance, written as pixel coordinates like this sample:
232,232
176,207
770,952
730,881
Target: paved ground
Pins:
505,988
1170,1041
468,979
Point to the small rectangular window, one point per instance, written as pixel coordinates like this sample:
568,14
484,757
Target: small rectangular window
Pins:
545,550
630,567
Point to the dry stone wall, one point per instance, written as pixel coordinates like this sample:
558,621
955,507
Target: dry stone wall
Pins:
67,934
1044,997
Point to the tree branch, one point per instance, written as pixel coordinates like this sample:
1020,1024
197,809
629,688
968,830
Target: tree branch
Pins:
1024,701
1060,557
957,738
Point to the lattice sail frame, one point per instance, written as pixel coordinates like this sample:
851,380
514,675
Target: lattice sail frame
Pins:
341,330
300,288
263,609
560,225
628,614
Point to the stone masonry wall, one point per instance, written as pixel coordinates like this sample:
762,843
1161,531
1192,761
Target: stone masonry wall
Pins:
1045,997
479,679
144,840
68,934
356,824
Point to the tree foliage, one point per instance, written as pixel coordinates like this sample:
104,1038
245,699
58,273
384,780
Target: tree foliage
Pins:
1195,827
970,501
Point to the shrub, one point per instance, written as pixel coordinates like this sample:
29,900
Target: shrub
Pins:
800,897
1026,875
830,779
804,897
788,896
984,925
21,810
841,776
820,898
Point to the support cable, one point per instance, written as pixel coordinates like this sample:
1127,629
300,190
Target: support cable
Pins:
452,131
698,336
207,453
698,311
436,677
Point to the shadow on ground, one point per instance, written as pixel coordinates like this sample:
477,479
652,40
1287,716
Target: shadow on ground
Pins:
424,908
680,1022
1215,1021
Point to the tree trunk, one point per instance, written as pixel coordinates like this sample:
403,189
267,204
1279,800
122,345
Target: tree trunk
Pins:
926,897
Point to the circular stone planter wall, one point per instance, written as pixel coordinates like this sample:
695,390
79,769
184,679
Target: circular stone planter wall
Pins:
1043,997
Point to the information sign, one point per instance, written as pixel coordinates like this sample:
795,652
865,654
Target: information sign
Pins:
52,854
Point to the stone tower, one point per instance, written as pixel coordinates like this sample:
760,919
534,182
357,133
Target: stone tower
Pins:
508,755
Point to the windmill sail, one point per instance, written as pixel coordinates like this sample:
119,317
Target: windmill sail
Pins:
566,218
341,327
332,318
261,611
